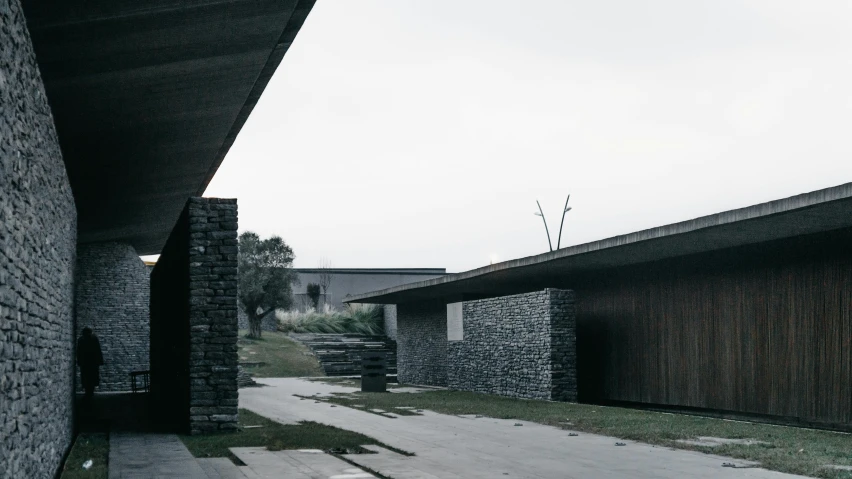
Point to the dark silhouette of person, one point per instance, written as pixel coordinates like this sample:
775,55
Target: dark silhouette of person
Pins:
90,359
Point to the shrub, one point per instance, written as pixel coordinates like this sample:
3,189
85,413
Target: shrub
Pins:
357,319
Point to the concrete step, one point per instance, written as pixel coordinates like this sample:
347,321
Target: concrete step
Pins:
397,466
340,354
298,464
221,468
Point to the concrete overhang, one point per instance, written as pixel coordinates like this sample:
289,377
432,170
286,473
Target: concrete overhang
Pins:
809,213
149,95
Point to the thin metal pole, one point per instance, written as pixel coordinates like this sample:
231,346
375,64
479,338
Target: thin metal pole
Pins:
541,213
564,210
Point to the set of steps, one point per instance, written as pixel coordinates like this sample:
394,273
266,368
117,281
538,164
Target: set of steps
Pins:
340,354
299,464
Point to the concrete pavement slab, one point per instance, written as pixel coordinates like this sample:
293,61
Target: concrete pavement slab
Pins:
487,447
145,456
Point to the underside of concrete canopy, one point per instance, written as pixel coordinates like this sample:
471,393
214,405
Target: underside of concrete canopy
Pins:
148,96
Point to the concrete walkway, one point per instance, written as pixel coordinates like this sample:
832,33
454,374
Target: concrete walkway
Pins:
468,447
163,456
144,455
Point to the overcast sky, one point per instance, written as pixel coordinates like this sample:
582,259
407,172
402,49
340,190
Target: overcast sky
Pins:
405,133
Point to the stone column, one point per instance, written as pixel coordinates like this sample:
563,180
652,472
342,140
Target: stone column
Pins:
194,320
212,314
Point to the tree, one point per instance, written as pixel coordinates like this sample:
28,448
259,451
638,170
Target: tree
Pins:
266,277
325,275
314,294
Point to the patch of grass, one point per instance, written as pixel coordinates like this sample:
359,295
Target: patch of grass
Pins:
283,357
789,449
275,436
94,446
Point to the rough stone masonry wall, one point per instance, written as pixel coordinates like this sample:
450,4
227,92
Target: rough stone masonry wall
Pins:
563,345
421,352
520,346
389,312
38,235
268,323
113,292
212,314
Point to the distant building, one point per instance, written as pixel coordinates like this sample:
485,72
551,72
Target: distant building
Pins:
346,282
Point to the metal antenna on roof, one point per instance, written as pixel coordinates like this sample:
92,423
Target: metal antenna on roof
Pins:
564,210
541,213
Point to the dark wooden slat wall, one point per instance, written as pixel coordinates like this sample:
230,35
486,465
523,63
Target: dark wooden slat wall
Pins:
763,329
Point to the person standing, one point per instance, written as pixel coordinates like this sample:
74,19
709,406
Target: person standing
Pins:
90,359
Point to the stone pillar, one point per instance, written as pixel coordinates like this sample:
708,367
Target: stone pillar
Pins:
112,295
194,320
212,314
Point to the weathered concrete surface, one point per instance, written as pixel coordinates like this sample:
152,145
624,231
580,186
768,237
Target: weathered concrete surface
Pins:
148,97
299,464
451,446
814,212
145,456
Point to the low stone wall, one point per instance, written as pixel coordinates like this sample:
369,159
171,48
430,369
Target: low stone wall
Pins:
522,345
422,343
38,234
194,320
112,298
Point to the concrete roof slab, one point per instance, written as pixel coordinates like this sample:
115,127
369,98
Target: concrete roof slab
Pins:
148,96
816,212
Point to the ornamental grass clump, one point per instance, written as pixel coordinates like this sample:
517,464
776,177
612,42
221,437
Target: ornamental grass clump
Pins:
354,319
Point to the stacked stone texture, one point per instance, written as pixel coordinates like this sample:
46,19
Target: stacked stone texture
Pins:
519,346
37,250
563,345
389,312
212,314
268,323
422,343
113,292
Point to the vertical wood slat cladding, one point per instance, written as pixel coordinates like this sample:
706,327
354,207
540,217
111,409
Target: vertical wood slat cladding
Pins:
763,329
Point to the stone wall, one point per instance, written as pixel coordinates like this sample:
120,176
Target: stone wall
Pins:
422,343
268,323
389,311
194,320
38,234
522,345
112,296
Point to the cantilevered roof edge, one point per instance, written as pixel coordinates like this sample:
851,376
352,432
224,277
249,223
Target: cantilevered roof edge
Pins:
763,210
294,24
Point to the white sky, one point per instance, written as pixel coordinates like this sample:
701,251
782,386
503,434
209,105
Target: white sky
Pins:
405,133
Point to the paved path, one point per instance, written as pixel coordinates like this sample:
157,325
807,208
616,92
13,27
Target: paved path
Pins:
143,455
163,456
466,447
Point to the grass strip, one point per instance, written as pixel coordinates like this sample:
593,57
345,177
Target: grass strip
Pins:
789,449
275,436
94,446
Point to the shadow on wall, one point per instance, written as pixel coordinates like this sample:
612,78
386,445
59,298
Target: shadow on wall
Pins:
592,355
